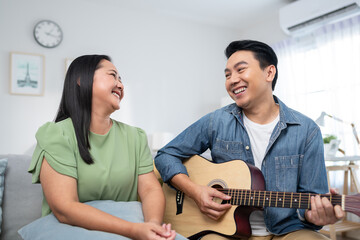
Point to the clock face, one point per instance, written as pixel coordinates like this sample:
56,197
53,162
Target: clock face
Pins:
48,34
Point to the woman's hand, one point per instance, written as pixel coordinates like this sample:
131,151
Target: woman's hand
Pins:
167,227
153,231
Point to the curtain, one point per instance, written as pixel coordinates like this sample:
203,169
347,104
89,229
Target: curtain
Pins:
320,72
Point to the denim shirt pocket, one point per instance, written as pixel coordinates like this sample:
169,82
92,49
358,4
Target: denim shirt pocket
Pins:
287,171
228,150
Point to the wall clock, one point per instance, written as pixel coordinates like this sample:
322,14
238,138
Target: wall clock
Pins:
48,34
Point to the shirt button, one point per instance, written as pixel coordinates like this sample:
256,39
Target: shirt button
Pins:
247,147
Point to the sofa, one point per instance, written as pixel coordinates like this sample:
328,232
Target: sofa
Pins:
21,199
21,202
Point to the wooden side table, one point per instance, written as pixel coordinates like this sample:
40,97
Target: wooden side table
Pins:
349,169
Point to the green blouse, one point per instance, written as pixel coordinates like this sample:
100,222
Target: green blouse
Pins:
119,157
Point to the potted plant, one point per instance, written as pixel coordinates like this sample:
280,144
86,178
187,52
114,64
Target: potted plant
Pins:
331,144
327,139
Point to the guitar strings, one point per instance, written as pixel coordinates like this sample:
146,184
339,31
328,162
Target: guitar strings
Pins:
250,197
273,194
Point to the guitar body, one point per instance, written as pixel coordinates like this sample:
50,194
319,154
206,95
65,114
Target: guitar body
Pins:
233,174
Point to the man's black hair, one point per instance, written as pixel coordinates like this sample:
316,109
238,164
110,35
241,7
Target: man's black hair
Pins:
262,52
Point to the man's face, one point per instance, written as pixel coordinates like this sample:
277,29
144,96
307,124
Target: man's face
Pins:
246,82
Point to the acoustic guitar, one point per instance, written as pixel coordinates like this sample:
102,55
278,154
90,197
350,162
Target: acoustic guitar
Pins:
246,186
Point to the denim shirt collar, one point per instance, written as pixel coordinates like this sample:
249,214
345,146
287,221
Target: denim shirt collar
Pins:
286,116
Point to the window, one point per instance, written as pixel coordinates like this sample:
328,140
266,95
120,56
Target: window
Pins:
320,72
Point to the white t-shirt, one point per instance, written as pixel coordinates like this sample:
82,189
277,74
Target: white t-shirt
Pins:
259,135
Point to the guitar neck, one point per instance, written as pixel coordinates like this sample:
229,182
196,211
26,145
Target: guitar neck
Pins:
246,197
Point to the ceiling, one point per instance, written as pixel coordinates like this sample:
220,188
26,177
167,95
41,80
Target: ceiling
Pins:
235,14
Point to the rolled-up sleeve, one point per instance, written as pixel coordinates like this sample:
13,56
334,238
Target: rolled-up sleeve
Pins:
144,155
192,141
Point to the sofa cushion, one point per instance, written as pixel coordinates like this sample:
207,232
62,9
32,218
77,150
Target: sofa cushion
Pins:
3,164
22,199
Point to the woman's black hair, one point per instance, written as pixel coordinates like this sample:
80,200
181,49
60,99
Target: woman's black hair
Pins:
77,97
262,52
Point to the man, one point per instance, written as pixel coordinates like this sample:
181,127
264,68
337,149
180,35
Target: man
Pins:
261,130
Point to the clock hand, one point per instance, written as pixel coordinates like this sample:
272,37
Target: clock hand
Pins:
49,33
52,35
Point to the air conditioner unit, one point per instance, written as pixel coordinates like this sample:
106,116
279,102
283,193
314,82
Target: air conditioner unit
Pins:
303,16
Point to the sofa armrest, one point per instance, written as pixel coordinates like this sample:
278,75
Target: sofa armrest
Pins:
22,199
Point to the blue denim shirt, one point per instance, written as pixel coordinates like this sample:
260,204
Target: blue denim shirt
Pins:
293,162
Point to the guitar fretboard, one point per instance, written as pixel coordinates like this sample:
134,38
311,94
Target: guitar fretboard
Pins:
246,197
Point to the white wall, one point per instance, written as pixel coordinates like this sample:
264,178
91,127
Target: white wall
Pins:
172,69
266,29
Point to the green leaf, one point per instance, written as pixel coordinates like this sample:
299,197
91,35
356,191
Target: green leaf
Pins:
328,138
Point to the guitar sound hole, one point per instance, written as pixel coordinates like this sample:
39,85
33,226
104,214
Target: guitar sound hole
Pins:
218,200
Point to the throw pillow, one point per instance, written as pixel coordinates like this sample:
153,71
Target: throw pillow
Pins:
49,227
3,165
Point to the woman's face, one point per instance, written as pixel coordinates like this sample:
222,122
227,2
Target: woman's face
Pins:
108,89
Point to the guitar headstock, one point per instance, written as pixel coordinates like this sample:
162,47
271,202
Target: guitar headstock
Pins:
352,204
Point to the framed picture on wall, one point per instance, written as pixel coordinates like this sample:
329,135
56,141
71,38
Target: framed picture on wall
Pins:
27,73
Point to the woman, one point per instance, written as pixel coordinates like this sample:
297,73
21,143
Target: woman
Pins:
85,155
